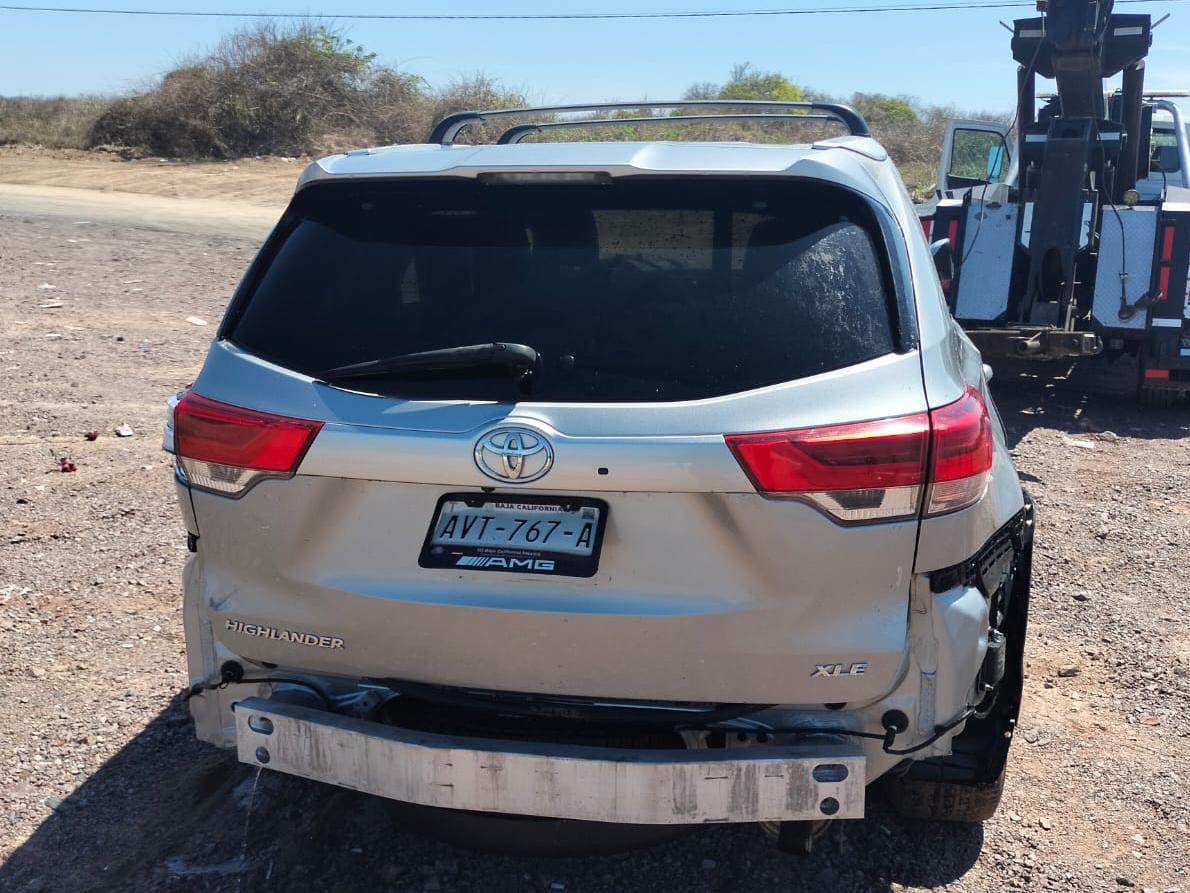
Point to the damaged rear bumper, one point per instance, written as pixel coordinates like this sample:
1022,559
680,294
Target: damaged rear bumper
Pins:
748,784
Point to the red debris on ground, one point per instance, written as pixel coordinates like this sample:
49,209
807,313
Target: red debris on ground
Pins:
91,435
65,464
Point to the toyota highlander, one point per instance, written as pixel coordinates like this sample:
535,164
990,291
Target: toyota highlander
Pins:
638,483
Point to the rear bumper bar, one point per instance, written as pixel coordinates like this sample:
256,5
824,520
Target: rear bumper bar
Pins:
750,784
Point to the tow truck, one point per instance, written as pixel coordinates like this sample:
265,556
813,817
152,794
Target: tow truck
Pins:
1069,227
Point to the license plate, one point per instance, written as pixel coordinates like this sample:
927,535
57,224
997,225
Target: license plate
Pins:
517,533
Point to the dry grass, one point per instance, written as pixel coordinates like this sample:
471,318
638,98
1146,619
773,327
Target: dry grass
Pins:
53,122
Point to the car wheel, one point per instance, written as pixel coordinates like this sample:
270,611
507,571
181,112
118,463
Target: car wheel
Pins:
943,801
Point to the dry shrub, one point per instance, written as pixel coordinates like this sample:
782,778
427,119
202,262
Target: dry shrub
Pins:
397,108
265,90
286,90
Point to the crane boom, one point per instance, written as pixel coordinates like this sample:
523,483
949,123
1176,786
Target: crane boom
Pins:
1084,247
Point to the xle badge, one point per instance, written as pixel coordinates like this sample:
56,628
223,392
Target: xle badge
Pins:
833,671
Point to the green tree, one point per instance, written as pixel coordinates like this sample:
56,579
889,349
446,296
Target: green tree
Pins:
747,83
881,109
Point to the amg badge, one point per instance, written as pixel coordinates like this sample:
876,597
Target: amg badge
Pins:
283,635
528,564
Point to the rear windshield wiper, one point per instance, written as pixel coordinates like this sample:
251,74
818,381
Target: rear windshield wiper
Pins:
468,356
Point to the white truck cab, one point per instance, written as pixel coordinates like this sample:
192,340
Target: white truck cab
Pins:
978,153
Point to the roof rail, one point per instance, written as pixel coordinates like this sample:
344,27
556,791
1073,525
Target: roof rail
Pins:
447,130
518,132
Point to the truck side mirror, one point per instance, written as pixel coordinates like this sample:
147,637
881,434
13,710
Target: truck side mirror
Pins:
943,261
996,156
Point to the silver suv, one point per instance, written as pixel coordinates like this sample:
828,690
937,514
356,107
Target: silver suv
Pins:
628,482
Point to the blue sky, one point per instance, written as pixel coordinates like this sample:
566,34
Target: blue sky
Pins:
951,57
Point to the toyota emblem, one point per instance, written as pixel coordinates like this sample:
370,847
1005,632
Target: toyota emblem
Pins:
514,455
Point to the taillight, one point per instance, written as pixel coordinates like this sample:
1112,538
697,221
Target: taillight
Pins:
960,454
1165,261
876,470
866,471
227,449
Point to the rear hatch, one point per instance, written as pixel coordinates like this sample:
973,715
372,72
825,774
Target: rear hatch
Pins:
584,519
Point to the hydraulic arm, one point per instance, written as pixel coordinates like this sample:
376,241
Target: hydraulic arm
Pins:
1076,154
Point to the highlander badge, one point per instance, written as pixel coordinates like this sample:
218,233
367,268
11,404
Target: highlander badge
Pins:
297,637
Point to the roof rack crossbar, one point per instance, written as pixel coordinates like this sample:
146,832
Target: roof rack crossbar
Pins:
447,130
518,132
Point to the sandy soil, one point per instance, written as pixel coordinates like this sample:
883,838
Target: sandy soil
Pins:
266,182
104,787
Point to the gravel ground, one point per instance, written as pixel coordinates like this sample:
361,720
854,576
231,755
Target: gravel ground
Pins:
106,790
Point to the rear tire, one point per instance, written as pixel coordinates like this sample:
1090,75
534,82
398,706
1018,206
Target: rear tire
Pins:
1158,398
943,801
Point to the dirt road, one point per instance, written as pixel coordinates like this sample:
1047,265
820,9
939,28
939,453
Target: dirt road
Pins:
105,789
181,215
241,199
265,182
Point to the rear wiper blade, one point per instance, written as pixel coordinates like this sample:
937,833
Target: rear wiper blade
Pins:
468,356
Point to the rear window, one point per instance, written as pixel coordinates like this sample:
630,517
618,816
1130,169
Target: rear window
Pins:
634,291
1164,152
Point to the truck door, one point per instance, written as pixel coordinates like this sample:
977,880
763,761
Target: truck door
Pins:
973,153
1168,154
